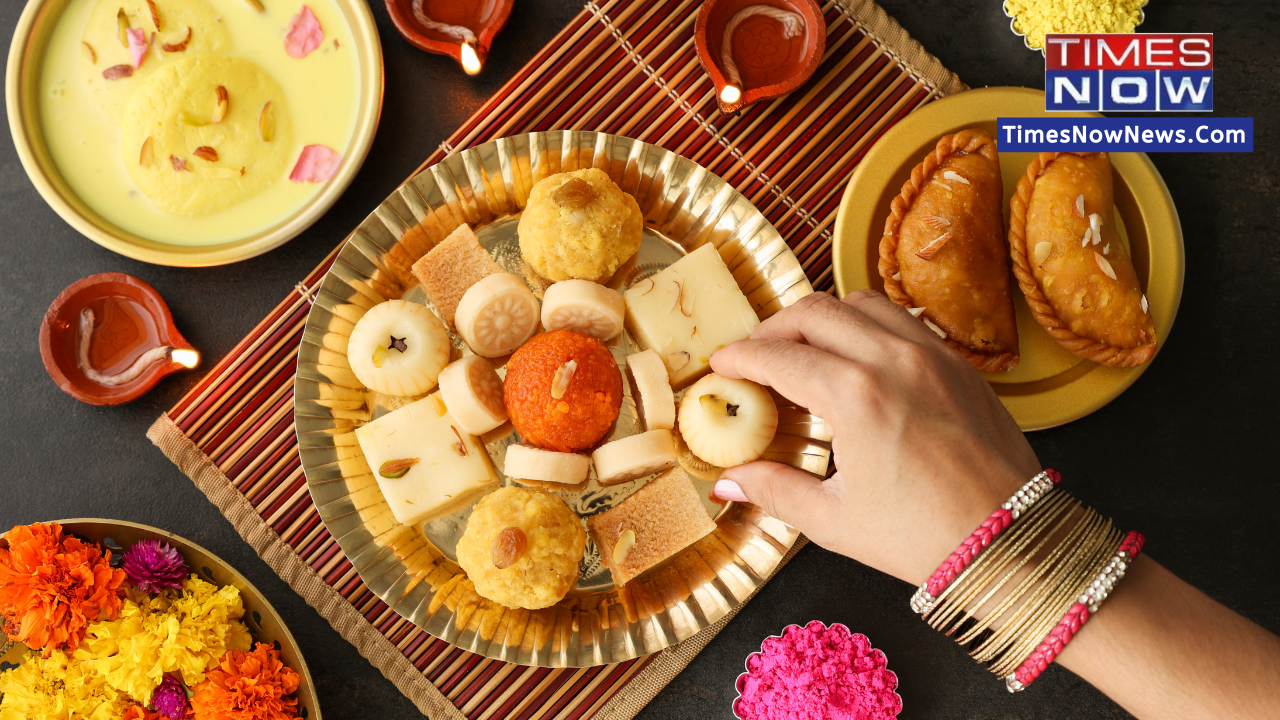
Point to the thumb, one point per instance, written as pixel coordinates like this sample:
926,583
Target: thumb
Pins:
793,496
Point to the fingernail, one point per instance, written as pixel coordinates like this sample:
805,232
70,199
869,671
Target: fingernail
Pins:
730,490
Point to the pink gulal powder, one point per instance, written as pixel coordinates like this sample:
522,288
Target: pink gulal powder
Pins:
818,673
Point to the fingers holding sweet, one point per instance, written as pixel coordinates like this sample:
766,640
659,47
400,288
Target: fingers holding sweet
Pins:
820,320
803,374
793,496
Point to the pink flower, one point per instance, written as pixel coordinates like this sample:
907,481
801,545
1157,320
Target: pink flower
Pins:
316,164
138,45
305,34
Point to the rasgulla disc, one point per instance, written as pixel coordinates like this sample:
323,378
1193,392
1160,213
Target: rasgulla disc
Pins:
584,306
472,391
727,422
406,372
526,462
634,457
496,315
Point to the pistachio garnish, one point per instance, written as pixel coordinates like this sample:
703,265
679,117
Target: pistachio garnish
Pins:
93,55
267,123
178,163
574,193
146,156
379,355
396,469
622,548
220,105
178,46
122,21
438,403
507,548
116,72
204,152
257,5
560,382
715,404
155,14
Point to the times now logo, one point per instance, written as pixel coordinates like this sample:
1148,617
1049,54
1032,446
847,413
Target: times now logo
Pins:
1129,72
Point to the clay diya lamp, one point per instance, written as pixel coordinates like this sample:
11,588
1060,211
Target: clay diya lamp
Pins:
774,46
461,29
109,338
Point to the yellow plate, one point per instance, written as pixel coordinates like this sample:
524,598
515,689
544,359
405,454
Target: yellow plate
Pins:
22,89
1050,386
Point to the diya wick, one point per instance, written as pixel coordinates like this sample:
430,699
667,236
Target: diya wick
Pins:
182,356
109,338
465,34
759,50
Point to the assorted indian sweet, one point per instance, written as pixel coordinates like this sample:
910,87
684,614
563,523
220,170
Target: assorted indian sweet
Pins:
522,548
398,348
450,268
584,306
727,422
581,225
194,122
472,391
652,524
633,457
1075,272
943,254
530,464
688,311
563,391
148,639
496,315
425,464
651,391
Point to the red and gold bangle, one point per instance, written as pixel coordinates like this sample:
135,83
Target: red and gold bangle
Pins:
927,595
1078,615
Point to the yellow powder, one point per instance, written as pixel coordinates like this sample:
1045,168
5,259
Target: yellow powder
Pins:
1034,18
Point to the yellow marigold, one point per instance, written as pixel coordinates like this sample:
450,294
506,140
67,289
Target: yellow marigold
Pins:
57,688
247,686
1035,18
183,634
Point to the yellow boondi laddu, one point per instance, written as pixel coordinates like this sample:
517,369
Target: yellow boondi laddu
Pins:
1035,18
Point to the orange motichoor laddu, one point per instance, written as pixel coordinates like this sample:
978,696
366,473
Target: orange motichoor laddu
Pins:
1071,264
943,255
563,390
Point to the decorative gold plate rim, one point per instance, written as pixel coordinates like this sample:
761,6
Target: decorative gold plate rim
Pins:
1142,199
264,623
22,87
681,202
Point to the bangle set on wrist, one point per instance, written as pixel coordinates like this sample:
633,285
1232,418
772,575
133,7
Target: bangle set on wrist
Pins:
1054,559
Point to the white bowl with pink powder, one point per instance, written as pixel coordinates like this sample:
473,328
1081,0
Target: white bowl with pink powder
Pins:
817,672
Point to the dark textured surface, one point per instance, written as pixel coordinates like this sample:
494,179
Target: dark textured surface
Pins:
1185,455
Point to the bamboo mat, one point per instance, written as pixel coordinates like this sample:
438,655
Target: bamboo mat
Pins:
623,67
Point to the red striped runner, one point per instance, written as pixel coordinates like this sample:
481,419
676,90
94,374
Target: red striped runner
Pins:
621,67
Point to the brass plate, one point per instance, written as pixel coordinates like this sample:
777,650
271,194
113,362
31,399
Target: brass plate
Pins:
264,623
412,568
1050,386
22,91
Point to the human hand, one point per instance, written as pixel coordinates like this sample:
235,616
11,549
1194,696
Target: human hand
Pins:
923,448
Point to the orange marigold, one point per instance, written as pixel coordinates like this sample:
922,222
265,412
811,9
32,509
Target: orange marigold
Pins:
52,586
247,686
138,712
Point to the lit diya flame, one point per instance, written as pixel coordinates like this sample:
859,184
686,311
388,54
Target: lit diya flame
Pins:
182,356
470,61
730,94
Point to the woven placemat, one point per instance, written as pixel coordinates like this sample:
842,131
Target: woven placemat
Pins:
621,67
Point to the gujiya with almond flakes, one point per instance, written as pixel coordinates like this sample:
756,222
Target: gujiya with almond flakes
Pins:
198,122
944,255
553,397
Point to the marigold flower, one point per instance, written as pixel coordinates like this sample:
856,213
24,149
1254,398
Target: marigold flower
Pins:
247,686
52,586
57,687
